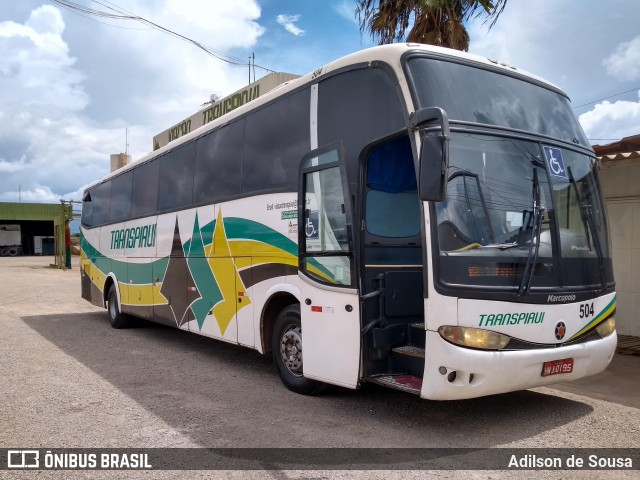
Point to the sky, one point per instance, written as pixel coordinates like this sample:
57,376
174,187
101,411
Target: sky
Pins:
74,90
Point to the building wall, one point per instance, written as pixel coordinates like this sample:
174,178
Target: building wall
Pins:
620,179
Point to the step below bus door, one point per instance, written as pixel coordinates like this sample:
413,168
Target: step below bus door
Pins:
329,307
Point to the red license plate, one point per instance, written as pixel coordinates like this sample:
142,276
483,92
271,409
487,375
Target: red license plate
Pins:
557,367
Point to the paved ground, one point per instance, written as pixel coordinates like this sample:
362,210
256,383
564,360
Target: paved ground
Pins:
619,383
69,380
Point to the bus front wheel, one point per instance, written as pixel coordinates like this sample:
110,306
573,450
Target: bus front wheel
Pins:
116,317
286,347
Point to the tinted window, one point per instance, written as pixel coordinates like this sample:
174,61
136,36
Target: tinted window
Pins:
482,96
277,137
358,107
121,197
145,190
175,186
87,210
100,197
219,164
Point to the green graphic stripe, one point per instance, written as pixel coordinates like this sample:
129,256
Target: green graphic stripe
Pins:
136,273
606,312
206,283
235,229
243,229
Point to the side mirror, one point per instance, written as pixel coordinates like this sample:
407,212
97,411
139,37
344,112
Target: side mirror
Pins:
434,162
434,155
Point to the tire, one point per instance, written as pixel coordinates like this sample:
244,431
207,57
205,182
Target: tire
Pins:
116,317
12,252
286,348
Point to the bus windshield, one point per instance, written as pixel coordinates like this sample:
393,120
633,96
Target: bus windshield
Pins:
488,97
521,215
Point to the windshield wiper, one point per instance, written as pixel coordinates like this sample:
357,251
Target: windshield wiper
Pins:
589,226
529,267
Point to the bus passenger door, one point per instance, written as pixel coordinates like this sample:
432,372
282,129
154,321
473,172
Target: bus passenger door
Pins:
330,307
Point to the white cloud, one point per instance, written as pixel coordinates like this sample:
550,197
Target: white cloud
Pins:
612,120
37,66
178,76
10,167
560,42
38,194
40,98
60,124
288,22
625,61
223,25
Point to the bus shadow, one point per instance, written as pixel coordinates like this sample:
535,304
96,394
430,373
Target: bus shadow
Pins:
220,394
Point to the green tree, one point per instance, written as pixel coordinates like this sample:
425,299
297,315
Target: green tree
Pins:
436,22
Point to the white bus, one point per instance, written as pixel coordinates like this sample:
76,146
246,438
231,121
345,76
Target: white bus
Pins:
411,216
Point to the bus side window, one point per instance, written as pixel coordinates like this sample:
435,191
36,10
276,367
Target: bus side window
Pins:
219,164
358,107
276,138
101,196
144,200
175,188
121,197
87,209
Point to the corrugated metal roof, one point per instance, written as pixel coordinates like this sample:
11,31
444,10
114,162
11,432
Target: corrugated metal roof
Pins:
34,211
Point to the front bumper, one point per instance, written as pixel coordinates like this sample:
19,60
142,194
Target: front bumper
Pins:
480,373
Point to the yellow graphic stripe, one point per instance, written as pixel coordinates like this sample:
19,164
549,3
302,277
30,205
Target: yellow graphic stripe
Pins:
601,317
252,248
141,295
229,282
130,294
245,252
96,275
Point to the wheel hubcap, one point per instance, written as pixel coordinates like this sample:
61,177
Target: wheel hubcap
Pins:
291,349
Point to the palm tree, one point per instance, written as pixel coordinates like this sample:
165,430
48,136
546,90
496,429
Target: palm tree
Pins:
437,22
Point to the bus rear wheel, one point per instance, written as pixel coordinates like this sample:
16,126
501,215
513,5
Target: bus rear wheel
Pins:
286,347
116,317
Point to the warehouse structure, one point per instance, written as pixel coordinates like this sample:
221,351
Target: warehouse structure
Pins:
42,228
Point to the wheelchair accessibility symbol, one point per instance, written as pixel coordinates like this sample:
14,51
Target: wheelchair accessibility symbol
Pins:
555,162
311,225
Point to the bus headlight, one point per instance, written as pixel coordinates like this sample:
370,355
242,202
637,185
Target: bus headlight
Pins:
474,337
607,327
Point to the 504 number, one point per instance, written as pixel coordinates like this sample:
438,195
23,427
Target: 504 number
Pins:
586,310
